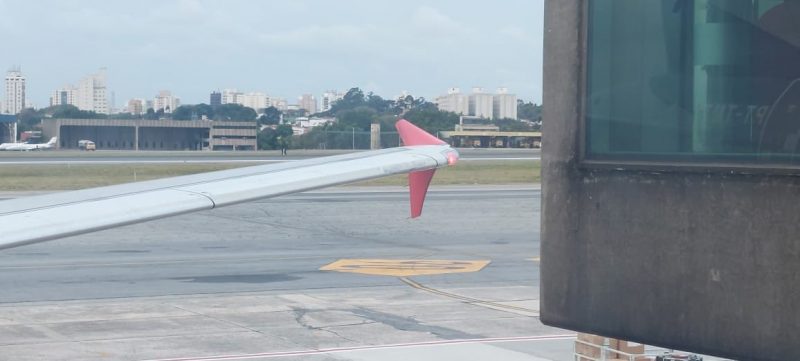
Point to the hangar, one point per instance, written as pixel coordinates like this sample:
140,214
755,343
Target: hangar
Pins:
142,134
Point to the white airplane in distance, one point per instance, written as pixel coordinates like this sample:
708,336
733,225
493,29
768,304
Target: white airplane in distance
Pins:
28,146
47,217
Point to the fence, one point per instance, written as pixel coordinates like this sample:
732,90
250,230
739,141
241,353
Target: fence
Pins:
342,140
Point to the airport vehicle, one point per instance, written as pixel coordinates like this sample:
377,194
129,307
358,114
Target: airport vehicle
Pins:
41,218
28,146
85,144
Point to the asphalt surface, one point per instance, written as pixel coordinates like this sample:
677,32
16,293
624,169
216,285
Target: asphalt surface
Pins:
246,280
57,156
340,274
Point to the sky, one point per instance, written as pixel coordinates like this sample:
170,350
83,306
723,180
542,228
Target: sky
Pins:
282,48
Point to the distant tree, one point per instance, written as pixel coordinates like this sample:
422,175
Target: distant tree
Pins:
270,138
183,112
378,104
352,99
72,112
431,119
271,116
266,139
513,125
529,111
193,112
234,112
359,118
125,116
29,119
150,114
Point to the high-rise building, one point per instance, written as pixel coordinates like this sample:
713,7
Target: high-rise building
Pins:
136,106
63,96
231,96
166,101
280,103
90,94
255,101
329,97
308,102
15,92
481,104
454,101
215,99
504,105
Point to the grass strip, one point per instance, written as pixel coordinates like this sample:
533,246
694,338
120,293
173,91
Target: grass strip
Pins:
36,177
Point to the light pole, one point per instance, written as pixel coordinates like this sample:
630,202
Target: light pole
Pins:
354,137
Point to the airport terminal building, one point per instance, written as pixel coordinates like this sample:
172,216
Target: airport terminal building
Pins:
142,134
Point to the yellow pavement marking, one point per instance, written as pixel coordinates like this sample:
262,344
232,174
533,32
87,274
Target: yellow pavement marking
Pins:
404,267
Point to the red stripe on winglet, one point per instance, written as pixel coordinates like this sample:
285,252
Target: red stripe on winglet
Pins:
418,183
413,135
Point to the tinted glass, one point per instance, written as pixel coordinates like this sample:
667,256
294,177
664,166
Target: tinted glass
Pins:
694,80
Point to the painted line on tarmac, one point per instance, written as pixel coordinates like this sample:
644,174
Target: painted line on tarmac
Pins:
404,267
324,351
474,301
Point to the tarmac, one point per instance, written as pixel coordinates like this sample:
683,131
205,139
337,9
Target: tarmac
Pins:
341,274
337,274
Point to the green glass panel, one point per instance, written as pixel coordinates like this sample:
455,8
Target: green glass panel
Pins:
693,80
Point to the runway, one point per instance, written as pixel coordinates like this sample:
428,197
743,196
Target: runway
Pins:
247,280
159,157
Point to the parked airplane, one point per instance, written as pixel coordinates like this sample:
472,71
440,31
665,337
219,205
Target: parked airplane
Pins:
46,217
28,146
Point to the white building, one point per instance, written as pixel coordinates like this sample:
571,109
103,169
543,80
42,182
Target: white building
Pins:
481,104
63,96
256,101
15,92
308,102
231,96
454,101
137,106
91,94
504,104
281,104
166,101
329,97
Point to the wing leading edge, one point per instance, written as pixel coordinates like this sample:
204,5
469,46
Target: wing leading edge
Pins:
41,218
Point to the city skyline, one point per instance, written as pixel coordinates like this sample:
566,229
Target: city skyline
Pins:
270,47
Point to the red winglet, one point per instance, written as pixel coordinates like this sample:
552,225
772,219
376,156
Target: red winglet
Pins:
418,182
413,135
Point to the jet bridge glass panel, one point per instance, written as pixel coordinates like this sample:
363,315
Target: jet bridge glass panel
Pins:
693,80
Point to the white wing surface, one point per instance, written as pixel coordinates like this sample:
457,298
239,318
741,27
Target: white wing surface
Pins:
41,218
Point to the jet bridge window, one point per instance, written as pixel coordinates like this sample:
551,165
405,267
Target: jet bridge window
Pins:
693,80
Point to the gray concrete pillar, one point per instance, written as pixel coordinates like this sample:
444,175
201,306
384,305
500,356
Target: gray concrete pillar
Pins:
375,136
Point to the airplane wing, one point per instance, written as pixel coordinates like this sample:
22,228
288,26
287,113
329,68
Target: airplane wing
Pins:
41,218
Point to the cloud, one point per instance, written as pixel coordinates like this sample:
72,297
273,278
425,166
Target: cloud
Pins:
516,33
432,22
316,36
